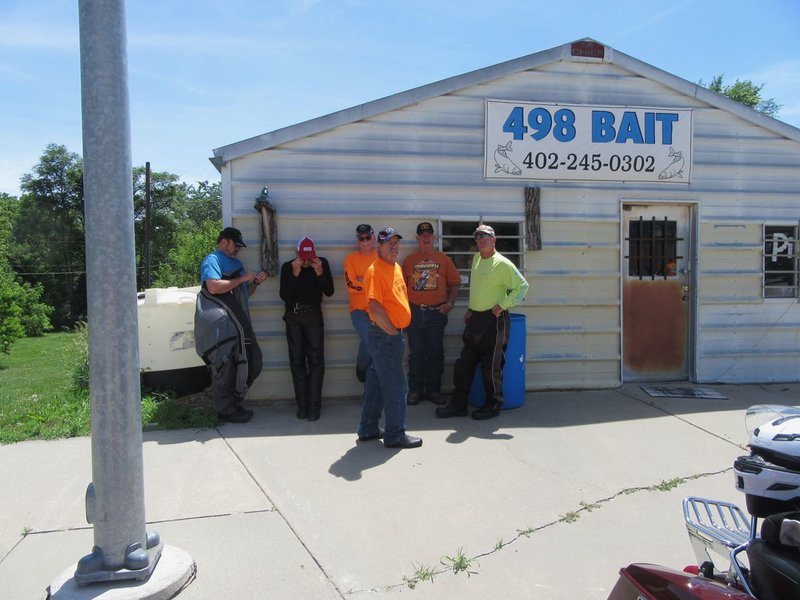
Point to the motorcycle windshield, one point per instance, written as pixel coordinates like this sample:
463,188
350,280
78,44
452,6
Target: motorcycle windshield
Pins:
756,416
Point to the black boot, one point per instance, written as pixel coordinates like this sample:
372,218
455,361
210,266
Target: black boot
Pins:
457,407
302,411
487,411
313,412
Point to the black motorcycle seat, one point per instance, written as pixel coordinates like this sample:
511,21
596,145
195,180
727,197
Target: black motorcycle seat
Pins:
774,570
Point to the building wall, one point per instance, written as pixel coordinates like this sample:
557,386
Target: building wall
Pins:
425,162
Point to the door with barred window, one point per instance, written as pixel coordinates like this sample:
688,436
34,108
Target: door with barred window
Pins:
656,293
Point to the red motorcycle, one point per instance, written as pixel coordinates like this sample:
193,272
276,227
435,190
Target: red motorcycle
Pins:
734,562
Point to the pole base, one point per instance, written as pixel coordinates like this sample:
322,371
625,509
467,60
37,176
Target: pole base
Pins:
174,571
139,563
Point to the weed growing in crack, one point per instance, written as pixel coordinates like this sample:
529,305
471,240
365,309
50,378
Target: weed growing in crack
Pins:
671,484
459,563
588,507
526,532
421,573
570,517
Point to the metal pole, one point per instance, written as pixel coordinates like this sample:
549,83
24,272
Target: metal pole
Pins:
147,278
115,498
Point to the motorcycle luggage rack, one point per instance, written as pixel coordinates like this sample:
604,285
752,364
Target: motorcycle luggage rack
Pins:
718,529
716,525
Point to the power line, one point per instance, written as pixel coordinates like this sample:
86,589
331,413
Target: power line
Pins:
139,268
52,273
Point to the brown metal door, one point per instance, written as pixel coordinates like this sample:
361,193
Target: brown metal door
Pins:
655,292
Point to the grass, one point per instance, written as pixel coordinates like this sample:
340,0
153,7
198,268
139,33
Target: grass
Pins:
36,397
39,401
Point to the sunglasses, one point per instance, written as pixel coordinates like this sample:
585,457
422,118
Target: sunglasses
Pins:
364,238
481,236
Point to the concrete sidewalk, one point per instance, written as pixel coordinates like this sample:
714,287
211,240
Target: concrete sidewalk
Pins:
547,501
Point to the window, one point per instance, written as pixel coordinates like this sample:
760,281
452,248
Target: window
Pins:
780,261
652,248
456,241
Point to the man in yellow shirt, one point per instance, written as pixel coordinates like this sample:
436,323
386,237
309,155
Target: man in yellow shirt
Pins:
495,286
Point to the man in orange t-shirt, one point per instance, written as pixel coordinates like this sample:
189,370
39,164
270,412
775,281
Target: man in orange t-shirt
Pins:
355,265
432,280
389,313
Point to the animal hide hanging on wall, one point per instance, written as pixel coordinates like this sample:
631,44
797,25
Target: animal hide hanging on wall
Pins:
533,232
269,234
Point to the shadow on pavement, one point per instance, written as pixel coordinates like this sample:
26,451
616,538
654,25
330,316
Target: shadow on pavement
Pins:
542,409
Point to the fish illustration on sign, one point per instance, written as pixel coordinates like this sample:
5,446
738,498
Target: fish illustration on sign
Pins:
674,168
502,161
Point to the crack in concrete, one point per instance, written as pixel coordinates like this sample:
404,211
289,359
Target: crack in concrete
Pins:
423,573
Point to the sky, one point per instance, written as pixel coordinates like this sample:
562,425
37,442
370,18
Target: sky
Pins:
207,73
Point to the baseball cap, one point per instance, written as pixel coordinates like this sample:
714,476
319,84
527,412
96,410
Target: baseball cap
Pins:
233,234
484,229
305,249
364,229
424,227
387,234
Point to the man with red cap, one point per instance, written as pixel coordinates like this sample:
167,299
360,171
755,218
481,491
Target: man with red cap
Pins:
304,280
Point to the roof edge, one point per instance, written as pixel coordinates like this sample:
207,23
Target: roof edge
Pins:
704,94
317,125
268,140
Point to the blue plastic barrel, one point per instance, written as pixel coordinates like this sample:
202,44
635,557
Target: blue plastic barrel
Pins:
513,371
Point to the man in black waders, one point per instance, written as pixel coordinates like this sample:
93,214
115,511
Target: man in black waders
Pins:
224,336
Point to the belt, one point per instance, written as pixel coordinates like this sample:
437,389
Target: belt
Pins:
303,308
379,328
428,306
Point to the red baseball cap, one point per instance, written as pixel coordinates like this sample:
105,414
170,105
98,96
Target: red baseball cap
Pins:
305,249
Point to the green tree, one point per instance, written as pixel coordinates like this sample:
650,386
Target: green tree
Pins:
166,195
203,202
48,234
21,313
182,269
10,311
199,217
181,217
746,92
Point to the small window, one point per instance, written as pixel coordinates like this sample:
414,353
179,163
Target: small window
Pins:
780,261
456,241
652,248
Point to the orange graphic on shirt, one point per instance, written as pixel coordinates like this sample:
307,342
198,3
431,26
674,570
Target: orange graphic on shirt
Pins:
425,277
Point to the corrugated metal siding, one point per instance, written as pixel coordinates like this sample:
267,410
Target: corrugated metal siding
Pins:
425,162
743,337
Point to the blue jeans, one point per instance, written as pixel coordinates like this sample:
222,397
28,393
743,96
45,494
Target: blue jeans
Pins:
426,350
360,319
385,389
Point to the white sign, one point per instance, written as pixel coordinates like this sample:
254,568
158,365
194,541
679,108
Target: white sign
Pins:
579,142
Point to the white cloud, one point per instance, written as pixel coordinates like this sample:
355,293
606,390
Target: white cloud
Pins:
655,18
781,82
11,169
38,36
194,43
